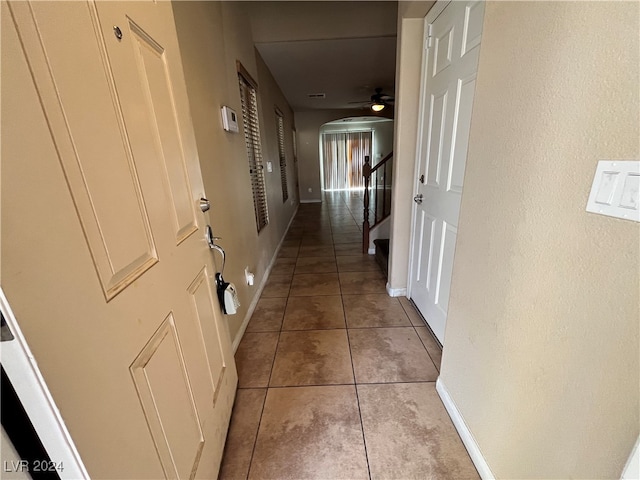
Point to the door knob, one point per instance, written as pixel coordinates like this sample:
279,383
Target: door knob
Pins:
204,204
418,198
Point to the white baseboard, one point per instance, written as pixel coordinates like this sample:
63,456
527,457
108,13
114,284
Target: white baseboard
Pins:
247,317
371,251
318,200
396,292
256,297
465,434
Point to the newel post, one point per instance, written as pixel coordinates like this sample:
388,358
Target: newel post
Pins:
366,173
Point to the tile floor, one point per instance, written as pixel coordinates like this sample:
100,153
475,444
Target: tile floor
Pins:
336,378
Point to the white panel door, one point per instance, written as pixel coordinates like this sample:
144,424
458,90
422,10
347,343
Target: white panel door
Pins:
448,84
116,297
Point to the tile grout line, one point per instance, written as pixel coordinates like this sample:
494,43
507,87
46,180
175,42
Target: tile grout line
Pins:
255,440
264,402
275,387
355,386
331,328
420,338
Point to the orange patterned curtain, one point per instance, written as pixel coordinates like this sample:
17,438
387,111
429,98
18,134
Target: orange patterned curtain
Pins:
343,157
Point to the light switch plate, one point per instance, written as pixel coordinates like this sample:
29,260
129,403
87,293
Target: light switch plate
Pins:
615,191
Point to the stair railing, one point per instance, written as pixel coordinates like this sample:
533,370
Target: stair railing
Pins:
377,194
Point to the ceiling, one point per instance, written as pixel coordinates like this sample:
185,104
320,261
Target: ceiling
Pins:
341,49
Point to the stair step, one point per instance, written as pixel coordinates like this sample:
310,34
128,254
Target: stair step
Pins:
382,254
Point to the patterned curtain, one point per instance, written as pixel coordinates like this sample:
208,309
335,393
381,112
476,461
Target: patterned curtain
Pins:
343,157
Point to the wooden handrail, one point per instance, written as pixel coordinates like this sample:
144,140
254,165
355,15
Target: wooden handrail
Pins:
380,163
367,171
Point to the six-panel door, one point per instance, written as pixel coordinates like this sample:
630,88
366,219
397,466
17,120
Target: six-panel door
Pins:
120,310
448,85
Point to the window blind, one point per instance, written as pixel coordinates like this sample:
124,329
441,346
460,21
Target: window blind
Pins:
254,150
343,157
283,158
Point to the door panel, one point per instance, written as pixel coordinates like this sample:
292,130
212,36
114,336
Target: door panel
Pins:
204,312
447,249
120,240
130,338
464,102
442,51
166,396
472,33
437,121
156,84
448,85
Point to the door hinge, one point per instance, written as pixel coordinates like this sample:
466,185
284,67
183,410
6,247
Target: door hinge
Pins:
427,38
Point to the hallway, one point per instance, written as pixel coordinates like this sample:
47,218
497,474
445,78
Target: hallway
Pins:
336,378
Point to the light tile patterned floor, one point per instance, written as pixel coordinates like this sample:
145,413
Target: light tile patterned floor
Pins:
336,378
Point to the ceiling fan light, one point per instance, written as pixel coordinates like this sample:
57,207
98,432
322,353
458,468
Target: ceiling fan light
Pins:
377,107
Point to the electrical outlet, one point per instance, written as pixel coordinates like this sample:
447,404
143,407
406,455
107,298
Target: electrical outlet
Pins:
249,276
310,190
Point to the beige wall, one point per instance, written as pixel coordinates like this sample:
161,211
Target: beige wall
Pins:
213,35
541,346
382,140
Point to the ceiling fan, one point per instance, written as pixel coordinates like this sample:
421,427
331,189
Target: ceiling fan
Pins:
379,101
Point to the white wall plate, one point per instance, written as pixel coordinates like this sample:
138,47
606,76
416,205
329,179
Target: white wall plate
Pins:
615,191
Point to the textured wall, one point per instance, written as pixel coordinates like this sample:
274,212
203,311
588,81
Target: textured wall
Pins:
541,347
213,35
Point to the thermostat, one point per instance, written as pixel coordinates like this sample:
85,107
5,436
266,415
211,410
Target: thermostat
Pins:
229,120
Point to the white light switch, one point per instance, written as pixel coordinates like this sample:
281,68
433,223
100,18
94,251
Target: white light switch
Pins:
607,187
615,190
630,192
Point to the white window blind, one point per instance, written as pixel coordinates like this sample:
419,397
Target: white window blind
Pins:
254,149
281,154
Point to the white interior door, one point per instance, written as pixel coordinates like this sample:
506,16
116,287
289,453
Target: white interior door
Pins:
104,258
448,84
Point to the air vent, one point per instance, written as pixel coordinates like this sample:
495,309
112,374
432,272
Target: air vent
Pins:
316,95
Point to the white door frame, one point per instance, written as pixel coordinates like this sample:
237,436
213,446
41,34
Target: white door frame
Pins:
632,468
31,388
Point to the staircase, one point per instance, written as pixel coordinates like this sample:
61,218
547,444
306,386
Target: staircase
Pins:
377,204
382,254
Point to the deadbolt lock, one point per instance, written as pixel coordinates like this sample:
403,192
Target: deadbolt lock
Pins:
204,204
